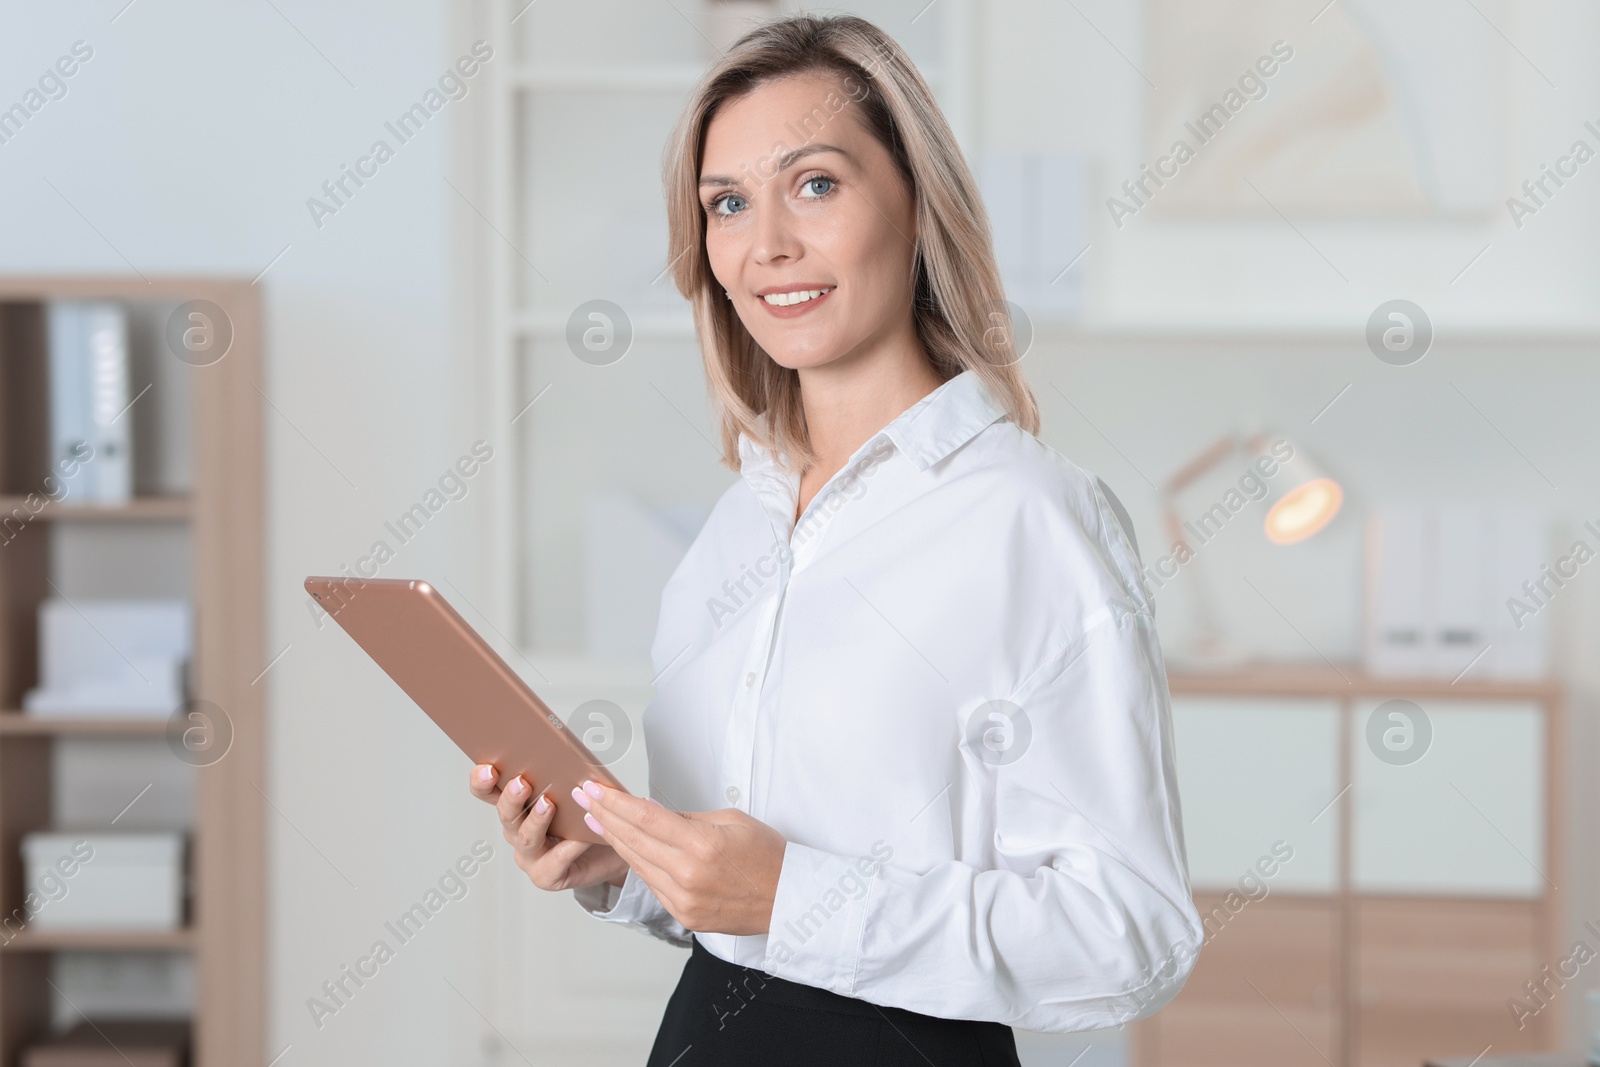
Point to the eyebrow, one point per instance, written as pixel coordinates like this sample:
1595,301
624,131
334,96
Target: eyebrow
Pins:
788,160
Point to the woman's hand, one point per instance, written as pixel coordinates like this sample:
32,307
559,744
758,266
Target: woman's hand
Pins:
548,862
715,871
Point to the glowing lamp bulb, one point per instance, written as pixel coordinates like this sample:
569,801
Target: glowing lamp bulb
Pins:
1303,511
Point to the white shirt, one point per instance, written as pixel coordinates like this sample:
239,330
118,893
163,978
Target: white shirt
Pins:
943,686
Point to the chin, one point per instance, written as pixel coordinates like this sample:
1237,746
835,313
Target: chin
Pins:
785,353
803,360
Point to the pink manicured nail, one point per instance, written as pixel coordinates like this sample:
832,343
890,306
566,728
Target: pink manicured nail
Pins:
485,773
516,787
541,806
581,798
594,823
592,788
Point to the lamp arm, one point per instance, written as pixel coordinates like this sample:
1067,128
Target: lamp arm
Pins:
1201,465
1208,628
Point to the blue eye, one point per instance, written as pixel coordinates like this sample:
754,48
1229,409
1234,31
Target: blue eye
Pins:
715,206
819,179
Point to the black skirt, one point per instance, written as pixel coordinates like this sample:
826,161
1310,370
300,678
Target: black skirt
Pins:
724,1014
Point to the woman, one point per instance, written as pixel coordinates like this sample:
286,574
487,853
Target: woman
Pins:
910,752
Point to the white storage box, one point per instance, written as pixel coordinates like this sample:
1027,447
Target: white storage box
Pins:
98,880
110,657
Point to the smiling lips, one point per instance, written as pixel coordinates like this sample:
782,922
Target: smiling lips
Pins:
788,303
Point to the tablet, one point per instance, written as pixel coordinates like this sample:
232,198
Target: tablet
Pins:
465,687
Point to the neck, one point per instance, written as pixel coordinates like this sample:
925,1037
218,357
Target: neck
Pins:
848,400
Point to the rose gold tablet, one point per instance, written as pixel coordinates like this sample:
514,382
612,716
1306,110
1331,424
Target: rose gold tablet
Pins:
465,687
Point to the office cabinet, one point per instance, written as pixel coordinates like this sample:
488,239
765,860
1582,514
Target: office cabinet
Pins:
1252,773
1434,975
1264,991
1467,817
1421,894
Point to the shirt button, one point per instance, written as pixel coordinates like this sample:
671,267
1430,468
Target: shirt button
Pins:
733,794
750,679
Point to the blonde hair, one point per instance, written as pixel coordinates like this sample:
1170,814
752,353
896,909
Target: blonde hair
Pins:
959,305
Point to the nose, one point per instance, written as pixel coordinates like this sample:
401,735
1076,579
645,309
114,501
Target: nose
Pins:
775,238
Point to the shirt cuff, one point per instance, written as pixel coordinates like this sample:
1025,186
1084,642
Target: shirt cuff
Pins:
630,902
817,916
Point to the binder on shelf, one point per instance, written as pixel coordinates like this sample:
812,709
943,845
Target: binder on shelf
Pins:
1519,643
1461,588
1439,585
89,430
1397,627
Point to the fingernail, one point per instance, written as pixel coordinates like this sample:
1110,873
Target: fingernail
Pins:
654,801
581,798
540,806
592,788
516,787
485,772
593,823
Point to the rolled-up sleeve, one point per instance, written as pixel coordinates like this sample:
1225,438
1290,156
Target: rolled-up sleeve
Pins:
1081,916
632,904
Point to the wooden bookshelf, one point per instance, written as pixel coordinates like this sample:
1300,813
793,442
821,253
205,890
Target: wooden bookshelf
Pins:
220,515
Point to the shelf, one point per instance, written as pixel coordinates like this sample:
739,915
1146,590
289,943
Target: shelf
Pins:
30,940
140,509
658,326
633,77
1277,679
679,326
38,288
21,724
618,78
1267,679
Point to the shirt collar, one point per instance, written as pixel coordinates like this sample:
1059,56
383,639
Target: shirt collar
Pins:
944,420
925,433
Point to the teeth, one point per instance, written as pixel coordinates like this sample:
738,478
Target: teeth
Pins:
800,297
